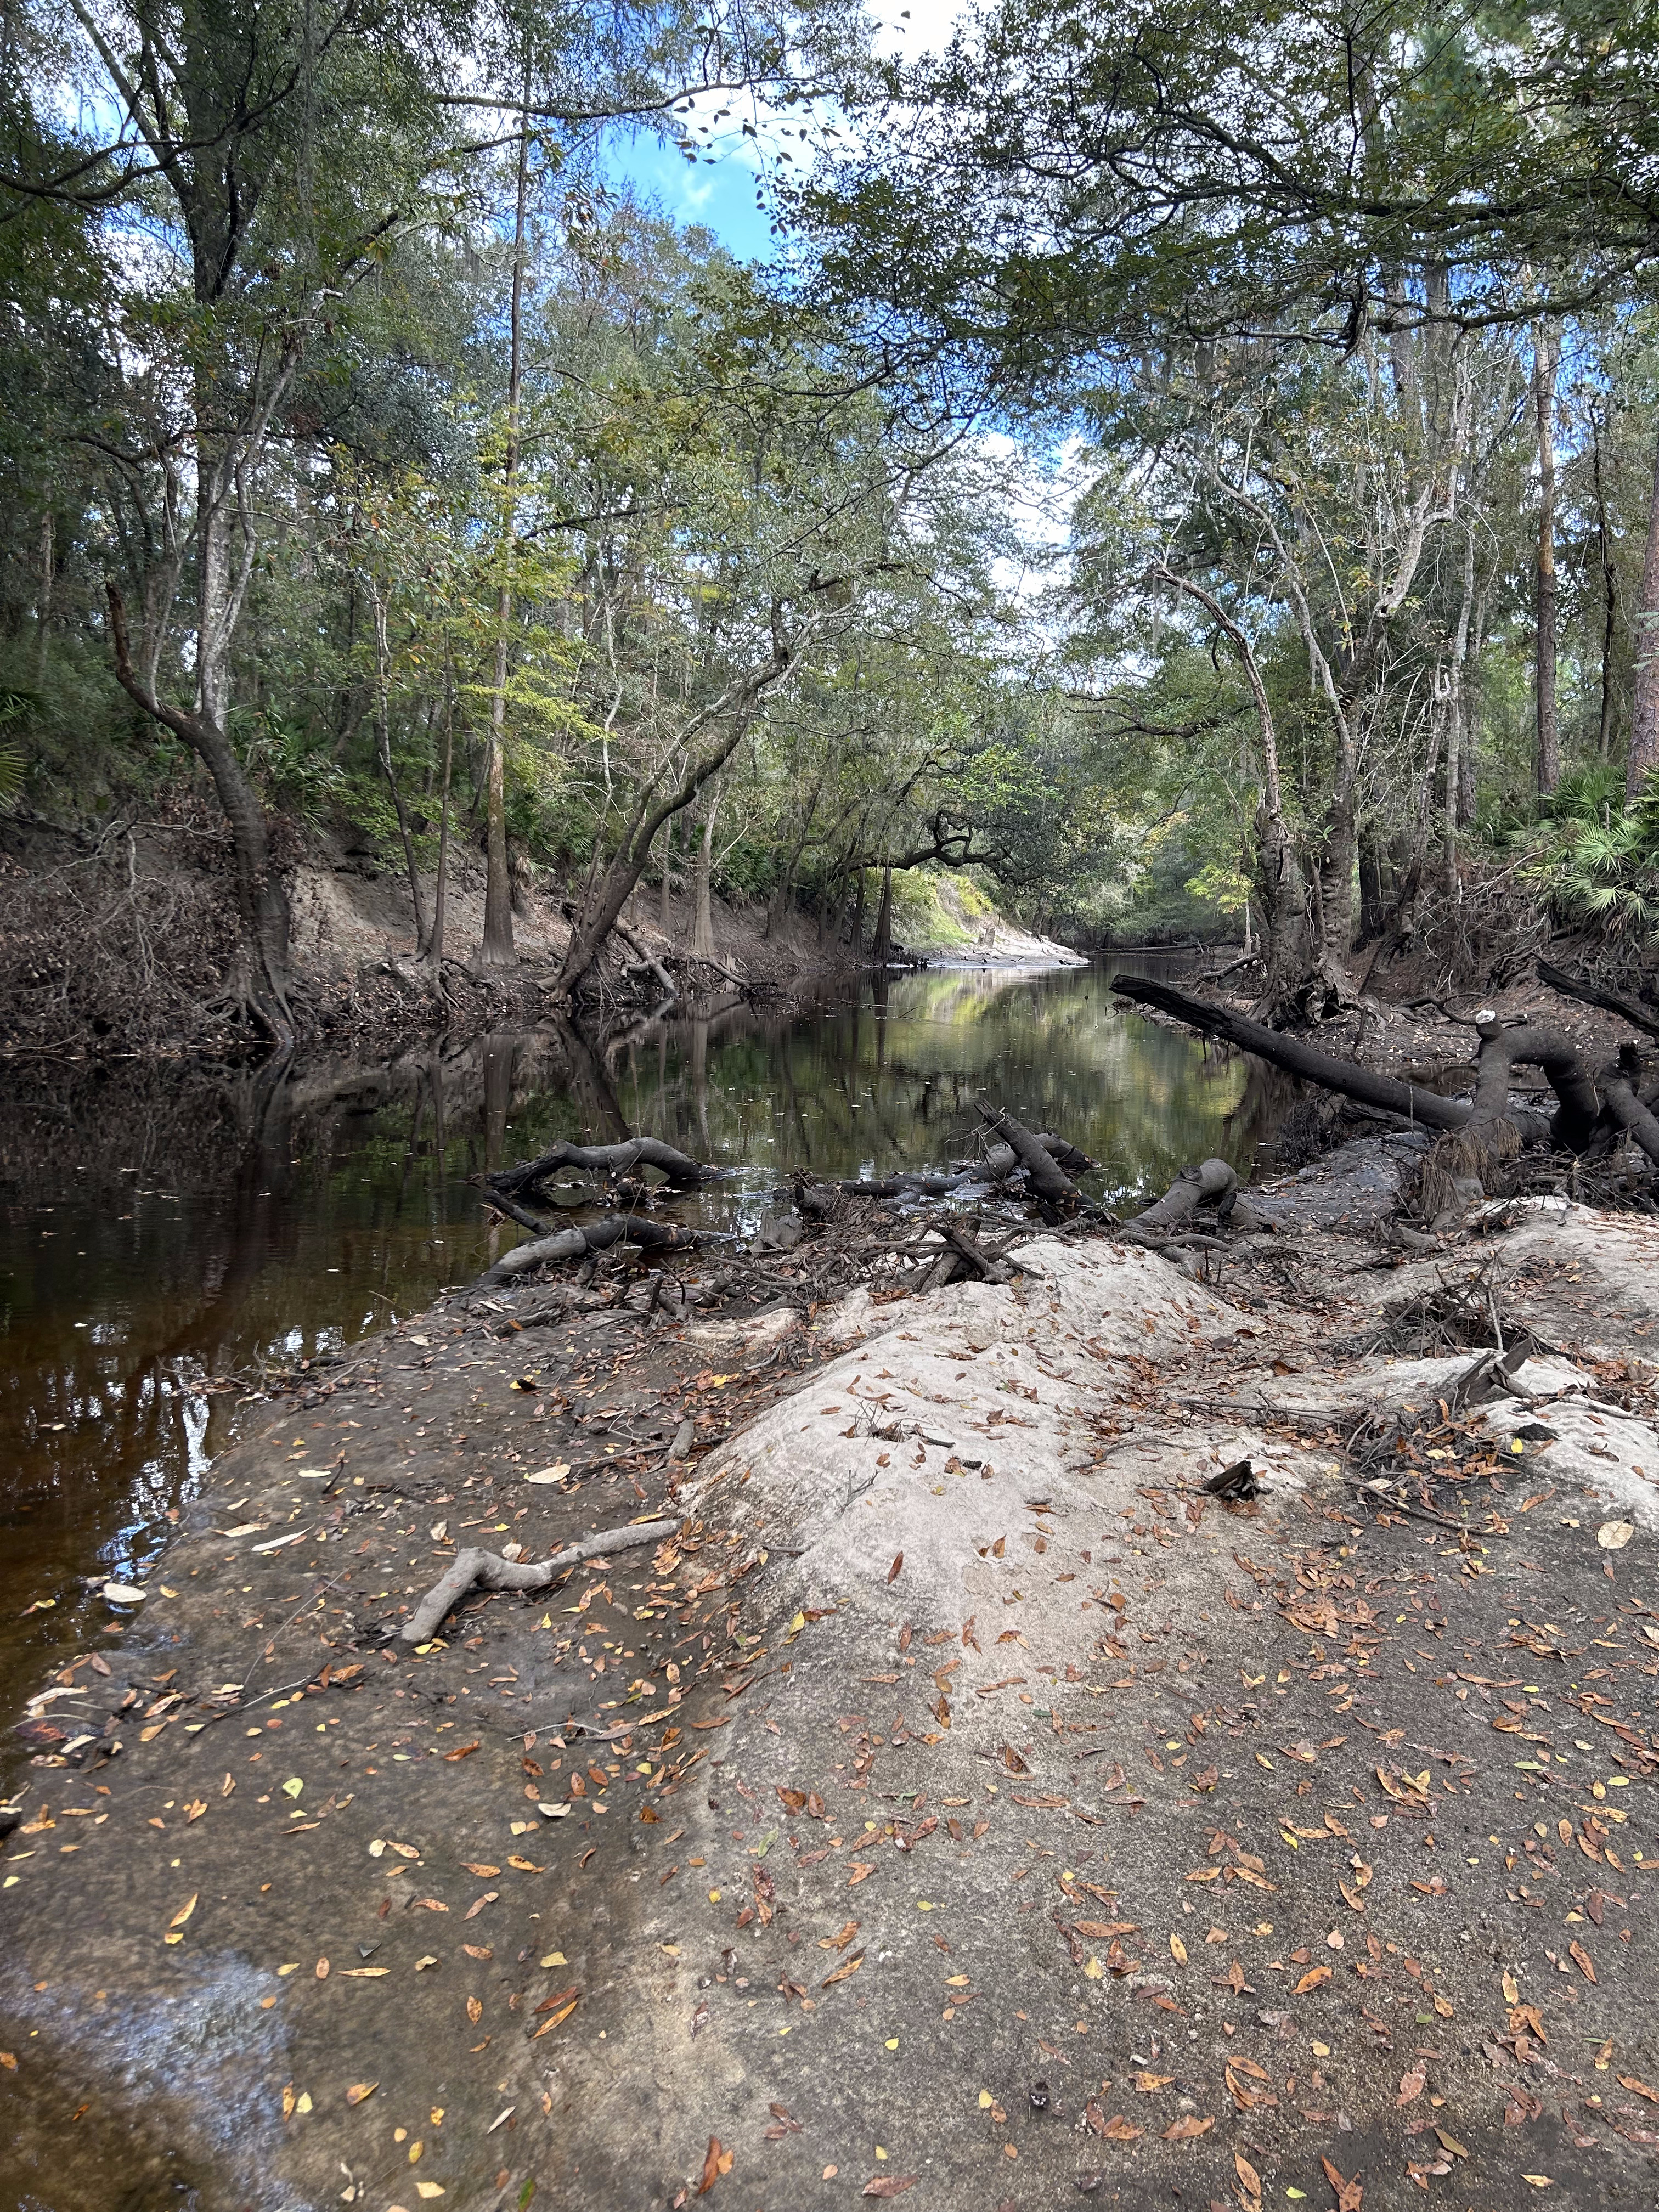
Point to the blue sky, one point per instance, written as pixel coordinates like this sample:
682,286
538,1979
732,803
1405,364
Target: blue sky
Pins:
720,194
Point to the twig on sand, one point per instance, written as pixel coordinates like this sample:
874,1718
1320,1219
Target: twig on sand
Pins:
489,1571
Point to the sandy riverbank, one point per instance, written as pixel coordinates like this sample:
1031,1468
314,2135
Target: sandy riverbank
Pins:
964,1807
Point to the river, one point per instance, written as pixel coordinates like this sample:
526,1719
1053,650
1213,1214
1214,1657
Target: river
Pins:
166,1234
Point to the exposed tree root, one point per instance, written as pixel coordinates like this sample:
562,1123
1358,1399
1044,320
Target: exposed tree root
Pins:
489,1571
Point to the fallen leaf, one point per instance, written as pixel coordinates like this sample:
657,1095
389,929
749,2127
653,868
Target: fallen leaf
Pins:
890,2185
183,1913
1187,2128
1538,2180
1638,2088
898,1562
1612,1536
1411,2085
1581,1959
1249,2179
360,2090
1118,2129
1448,2141
1312,1978
842,1974
480,1867
860,1870
1178,1949
1511,1989
717,2161
1349,2194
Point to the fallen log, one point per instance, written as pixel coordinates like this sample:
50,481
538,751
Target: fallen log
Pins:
526,1178
1522,1043
998,1161
907,1185
596,1237
489,1571
1214,1184
1047,1179
1426,1108
1626,1107
1645,1019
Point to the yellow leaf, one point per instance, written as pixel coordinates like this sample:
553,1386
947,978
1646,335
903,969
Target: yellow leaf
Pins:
1511,1989
360,2090
428,2188
183,1913
1177,1950
1094,1970
1538,2180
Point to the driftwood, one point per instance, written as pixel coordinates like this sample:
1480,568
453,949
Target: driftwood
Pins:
1645,1019
908,1185
997,1164
684,1172
1482,1131
1213,1184
1426,1108
1000,1160
1626,1107
488,1570
1044,1176
596,1237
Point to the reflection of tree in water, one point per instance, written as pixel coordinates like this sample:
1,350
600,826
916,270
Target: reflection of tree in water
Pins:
860,1086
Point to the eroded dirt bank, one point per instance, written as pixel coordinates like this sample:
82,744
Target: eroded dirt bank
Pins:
965,1808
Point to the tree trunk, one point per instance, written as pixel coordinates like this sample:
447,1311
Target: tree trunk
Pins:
1280,877
1644,757
1609,592
667,918
1457,716
881,945
859,893
1544,363
435,950
44,597
261,901
383,750
703,926
497,950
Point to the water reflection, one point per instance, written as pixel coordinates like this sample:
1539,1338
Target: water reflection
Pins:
164,1226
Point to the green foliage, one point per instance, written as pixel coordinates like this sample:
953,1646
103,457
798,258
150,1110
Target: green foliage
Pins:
1597,858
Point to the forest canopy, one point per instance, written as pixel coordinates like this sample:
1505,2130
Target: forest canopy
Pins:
1190,469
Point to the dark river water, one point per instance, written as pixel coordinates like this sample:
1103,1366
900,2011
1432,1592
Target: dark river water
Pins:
166,1234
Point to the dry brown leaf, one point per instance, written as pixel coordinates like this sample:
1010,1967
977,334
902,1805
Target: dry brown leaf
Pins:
841,1942
860,1870
1411,2085
1249,2179
1312,1979
1581,1959
1638,2088
890,2185
842,1973
1187,2128
1348,2193
360,2090
716,2161
1118,2129
474,2009
892,1571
